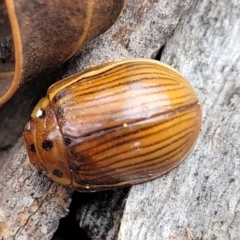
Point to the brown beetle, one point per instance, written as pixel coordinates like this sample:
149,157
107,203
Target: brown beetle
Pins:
114,125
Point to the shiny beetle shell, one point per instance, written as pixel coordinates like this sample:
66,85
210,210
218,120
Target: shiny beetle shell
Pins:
114,125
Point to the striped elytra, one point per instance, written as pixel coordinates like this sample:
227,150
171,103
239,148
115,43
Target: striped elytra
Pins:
114,125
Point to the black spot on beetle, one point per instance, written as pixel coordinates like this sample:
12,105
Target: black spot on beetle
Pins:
47,144
43,113
67,141
32,148
57,173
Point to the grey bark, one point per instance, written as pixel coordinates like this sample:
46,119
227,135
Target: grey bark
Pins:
200,198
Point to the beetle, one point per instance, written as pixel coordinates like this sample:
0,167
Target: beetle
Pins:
118,124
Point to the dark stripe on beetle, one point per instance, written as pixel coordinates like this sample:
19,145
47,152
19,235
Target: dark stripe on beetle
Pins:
114,95
66,93
140,92
155,161
74,106
96,78
132,139
110,123
133,133
133,121
102,162
138,169
132,107
147,163
117,83
108,74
